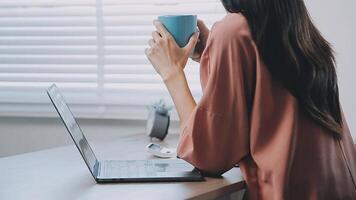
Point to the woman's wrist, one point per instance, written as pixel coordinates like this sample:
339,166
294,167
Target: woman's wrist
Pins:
183,99
176,73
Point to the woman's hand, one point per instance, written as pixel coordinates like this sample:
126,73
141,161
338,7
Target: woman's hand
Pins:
165,55
203,38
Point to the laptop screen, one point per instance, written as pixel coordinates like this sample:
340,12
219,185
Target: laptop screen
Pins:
72,127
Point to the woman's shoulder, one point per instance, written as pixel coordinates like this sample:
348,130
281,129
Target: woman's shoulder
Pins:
233,25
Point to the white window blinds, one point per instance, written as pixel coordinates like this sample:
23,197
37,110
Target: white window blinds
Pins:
92,49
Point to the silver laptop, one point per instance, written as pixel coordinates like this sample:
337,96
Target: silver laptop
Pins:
109,171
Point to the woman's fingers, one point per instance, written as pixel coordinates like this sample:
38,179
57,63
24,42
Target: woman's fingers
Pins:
161,29
192,42
156,36
201,25
151,42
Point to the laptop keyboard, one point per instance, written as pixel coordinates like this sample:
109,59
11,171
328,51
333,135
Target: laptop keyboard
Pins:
141,168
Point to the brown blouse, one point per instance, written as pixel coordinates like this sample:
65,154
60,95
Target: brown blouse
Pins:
247,118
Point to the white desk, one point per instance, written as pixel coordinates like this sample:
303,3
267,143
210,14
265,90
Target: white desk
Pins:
61,174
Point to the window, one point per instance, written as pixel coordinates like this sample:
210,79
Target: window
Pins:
92,49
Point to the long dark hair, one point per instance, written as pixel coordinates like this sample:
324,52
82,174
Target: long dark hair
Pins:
296,54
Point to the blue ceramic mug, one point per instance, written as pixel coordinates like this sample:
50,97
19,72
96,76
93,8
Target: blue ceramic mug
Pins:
181,27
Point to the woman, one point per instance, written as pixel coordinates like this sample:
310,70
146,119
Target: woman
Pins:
270,102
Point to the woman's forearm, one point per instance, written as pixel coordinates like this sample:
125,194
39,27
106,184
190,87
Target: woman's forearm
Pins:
169,60
182,97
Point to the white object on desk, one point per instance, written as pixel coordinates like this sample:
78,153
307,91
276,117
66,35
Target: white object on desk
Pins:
160,151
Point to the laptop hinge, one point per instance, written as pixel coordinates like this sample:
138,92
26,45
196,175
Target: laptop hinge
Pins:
96,168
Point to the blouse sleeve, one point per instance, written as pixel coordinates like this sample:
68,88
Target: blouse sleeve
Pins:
216,136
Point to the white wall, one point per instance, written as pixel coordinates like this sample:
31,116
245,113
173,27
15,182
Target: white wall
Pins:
337,21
